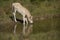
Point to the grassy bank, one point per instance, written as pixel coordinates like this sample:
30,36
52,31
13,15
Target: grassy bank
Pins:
46,17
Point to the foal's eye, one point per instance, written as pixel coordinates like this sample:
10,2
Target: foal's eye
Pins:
31,17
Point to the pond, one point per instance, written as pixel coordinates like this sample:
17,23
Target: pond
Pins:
47,29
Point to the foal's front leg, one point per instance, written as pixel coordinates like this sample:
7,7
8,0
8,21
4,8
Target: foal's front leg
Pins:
23,19
26,20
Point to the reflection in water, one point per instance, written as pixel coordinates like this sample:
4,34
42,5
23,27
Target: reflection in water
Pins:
27,29
43,30
15,29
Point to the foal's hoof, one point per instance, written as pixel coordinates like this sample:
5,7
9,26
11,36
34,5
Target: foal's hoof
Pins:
15,21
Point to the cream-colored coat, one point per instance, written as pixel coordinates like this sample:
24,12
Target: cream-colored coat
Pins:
23,11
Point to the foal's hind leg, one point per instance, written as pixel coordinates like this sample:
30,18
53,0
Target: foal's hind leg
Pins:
14,14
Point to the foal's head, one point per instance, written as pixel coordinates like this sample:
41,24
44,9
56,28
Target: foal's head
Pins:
30,19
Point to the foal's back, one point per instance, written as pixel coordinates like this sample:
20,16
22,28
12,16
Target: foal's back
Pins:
21,9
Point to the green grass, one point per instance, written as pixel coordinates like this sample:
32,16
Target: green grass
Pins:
46,16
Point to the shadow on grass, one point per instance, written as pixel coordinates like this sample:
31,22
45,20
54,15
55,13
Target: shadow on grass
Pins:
19,20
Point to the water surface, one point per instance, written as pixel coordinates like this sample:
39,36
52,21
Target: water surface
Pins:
47,29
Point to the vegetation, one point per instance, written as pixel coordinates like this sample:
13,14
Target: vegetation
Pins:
46,16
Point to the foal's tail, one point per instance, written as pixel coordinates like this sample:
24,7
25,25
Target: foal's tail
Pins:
12,8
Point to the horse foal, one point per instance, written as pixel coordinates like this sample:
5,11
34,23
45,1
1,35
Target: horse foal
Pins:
17,7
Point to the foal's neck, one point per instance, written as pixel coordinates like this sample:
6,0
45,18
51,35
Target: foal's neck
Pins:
28,16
